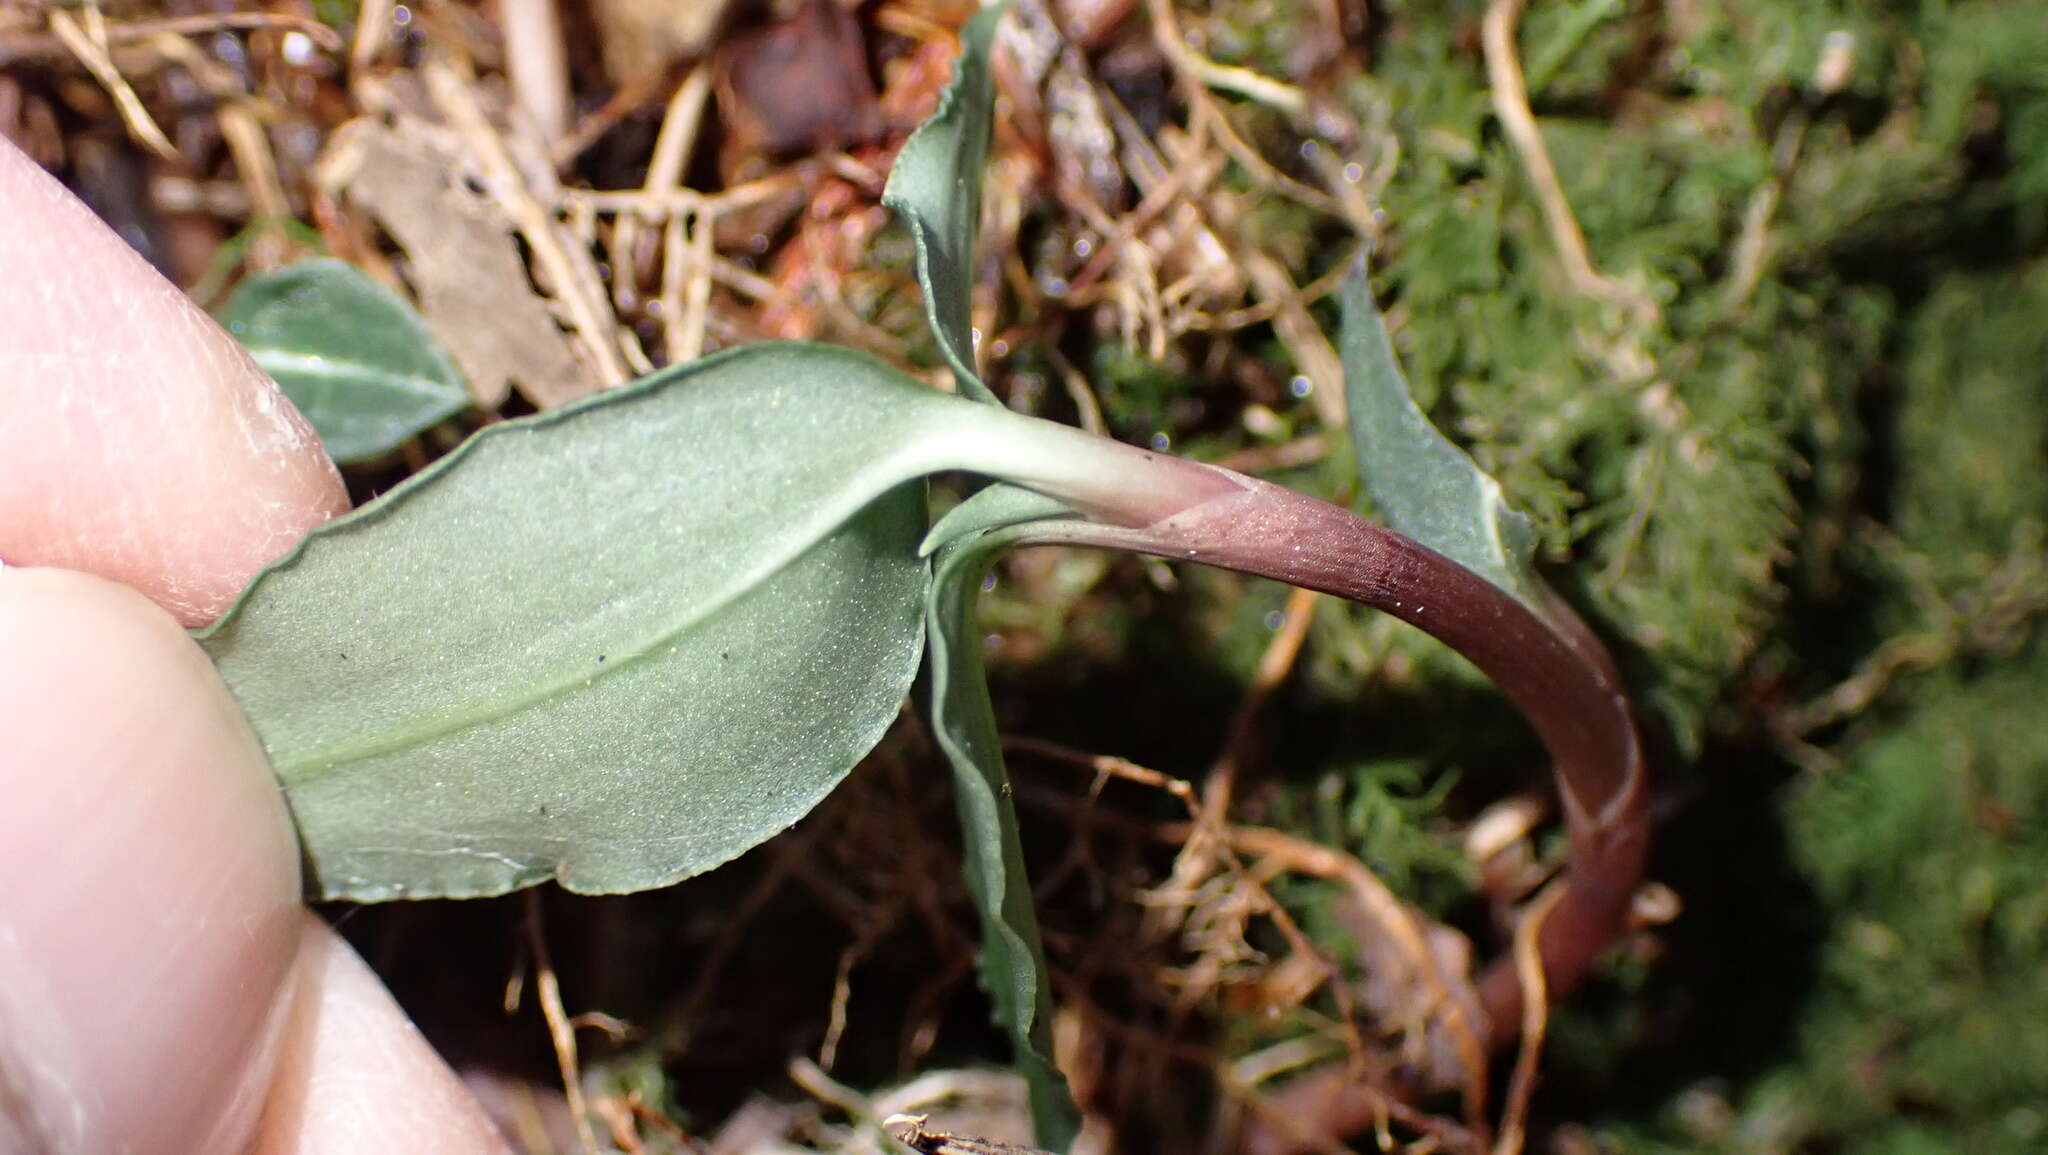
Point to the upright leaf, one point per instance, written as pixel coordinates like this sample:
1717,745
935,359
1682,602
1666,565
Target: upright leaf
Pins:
1424,486
615,645
355,359
935,187
965,543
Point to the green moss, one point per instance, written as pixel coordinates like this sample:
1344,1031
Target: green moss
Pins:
1823,437
1786,465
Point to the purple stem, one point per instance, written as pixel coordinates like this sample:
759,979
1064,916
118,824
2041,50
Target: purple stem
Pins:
1549,665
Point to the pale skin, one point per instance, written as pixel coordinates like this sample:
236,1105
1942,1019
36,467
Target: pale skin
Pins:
161,987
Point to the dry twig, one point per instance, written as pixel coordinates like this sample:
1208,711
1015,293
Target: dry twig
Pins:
1511,105
561,1032
570,272
117,34
85,37
1535,1017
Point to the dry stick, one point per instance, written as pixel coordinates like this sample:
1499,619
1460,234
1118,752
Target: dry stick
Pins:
560,1032
1195,861
920,1027
1192,172
1305,339
254,161
87,40
1086,407
1134,256
1535,1017
826,1089
1244,1091
672,149
660,1122
537,62
570,272
1186,182
677,141
1149,1040
1511,106
746,282
1751,256
684,199
2005,600
1402,924
1309,294
373,27
1106,766
1268,458
117,34
696,304
250,147
1194,88
878,924
592,127
1305,1134
617,1114
675,269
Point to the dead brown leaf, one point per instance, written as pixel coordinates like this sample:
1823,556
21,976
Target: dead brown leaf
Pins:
464,264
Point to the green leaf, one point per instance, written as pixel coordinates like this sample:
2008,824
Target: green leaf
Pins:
355,359
965,543
614,645
1424,486
935,187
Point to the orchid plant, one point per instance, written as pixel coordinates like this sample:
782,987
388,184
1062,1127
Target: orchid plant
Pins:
618,644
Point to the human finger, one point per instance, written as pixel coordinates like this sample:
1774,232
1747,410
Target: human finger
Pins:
150,926
356,1076
140,442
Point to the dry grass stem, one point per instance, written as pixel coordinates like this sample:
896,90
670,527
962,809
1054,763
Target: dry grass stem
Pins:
1511,106
1213,919
1535,1019
1291,455
1751,256
1198,859
373,30
1403,927
826,1089
1206,114
662,205
1086,408
85,37
1304,338
673,147
568,269
561,1032
537,63
871,930
242,130
117,34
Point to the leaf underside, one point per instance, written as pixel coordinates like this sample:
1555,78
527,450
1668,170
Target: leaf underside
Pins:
354,358
614,645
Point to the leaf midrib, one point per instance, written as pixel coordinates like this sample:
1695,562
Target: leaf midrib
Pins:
336,368
314,762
